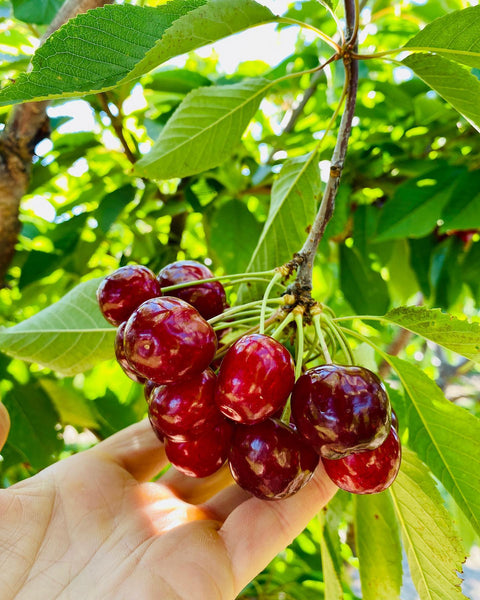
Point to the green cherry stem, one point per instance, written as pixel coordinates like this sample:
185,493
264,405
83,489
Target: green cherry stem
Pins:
241,308
316,319
266,296
286,321
341,339
228,279
300,344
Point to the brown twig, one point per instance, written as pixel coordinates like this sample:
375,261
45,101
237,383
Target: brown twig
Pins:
306,256
26,126
117,124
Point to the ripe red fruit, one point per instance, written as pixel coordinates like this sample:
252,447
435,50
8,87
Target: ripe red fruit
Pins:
204,455
341,409
367,472
255,379
208,298
185,409
148,389
121,292
121,358
270,460
166,339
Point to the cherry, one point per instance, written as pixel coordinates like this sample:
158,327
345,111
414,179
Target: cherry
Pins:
367,472
208,298
166,338
203,455
122,359
341,409
394,420
255,379
270,460
148,389
185,409
121,292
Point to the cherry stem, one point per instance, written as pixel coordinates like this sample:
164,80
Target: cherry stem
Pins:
286,321
342,341
318,330
242,307
266,296
300,345
307,254
244,277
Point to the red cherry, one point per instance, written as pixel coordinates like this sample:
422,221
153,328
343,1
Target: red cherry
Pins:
341,409
121,292
255,379
367,472
270,460
122,359
166,338
148,388
185,409
208,298
204,455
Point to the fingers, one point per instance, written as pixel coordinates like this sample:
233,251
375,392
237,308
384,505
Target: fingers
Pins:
136,449
4,425
222,504
197,491
257,530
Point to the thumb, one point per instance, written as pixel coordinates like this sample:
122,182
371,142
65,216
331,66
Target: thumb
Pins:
4,425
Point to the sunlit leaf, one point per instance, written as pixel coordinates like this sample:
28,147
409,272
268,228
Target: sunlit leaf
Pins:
69,337
456,35
204,130
378,546
448,331
445,436
433,549
108,46
450,80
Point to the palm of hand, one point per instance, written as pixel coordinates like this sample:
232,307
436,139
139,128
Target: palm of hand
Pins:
93,526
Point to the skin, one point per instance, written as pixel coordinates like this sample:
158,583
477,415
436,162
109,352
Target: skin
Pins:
94,526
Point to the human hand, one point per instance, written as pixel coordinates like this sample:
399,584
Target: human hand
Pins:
94,526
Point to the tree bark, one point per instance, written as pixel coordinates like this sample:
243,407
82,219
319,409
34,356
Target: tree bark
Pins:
26,126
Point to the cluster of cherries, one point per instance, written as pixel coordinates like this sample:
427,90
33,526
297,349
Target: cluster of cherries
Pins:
207,414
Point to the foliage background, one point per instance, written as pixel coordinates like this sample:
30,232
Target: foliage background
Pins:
405,231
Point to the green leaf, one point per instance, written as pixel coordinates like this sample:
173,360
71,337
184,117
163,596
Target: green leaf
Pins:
333,587
448,331
378,547
111,45
33,11
433,550
33,424
445,436
232,236
416,205
292,211
112,205
463,208
364,289
70,336
451,81
71,406
456,35
204,130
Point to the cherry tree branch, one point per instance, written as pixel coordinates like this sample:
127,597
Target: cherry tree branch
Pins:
26,126
306,256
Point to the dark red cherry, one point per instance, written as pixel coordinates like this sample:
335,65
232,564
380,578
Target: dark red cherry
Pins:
120,293
208,298
148,388
341,409
166,339
185,409
122,359
255,379
367,472
204,455
158,432
394,420
270,460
